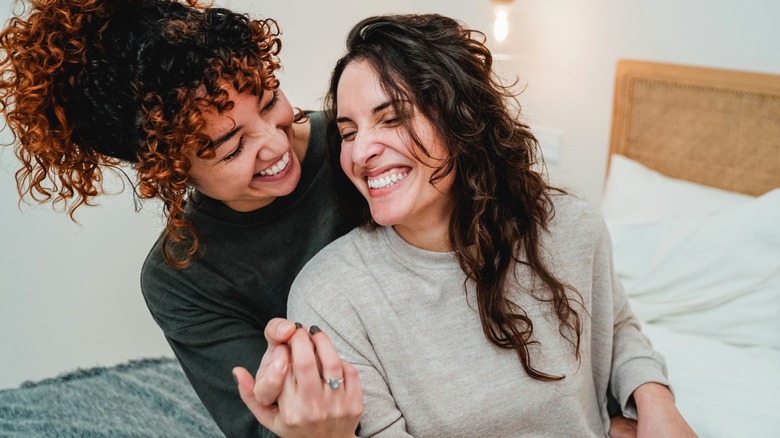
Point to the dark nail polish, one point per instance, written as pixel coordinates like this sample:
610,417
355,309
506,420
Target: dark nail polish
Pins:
314,330
298,325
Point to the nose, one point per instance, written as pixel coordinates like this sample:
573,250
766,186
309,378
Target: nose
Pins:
365,148
276,143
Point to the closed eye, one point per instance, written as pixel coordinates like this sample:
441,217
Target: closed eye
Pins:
347,135
391,119
236,152
272,102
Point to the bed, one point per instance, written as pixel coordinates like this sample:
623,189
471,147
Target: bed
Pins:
693,206
141,398
693,209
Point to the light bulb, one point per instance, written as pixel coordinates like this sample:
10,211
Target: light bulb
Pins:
501,25
501,19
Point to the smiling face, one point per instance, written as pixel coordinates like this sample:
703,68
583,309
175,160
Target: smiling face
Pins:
381,159
255,162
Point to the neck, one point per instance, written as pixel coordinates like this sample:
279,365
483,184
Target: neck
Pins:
434,236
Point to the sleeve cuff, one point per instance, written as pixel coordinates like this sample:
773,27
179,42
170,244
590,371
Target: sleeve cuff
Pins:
630,375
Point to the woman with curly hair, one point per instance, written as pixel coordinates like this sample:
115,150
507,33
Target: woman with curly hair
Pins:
475,299
188,96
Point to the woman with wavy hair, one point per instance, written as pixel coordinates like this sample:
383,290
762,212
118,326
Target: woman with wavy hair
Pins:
475,299
187,95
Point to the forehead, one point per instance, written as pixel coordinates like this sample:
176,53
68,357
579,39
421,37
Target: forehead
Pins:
359,85
218,122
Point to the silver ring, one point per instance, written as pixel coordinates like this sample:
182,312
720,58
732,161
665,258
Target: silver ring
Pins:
334,383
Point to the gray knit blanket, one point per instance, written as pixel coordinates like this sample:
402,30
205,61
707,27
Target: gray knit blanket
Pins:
142,398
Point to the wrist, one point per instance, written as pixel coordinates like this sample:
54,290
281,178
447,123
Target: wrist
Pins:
650,395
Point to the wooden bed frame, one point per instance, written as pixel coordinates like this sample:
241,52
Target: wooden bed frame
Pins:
715,127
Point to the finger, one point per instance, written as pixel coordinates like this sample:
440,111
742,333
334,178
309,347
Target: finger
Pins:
328,357
289,392
353,389
264,414
278,331
305,368
270,379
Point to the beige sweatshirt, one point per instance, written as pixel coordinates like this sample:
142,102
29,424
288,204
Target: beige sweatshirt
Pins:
402,317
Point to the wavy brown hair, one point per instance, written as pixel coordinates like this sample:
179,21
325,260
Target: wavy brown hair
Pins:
501,205
87,84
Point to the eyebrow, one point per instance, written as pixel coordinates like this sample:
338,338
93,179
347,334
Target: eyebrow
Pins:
225,137
376,109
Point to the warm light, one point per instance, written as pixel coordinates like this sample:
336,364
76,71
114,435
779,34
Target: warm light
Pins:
501,19
501,25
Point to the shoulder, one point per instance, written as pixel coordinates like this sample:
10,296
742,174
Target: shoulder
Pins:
576,225
158,280
154,271
574,214
169,292
316,129
345,253
340,265
571,208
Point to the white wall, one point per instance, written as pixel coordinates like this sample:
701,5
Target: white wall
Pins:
564,50
69,294
572,47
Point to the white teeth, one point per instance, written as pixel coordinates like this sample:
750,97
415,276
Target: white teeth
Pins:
384,182
277,167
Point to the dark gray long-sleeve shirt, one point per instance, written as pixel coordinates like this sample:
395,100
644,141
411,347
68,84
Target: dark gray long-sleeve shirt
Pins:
213,313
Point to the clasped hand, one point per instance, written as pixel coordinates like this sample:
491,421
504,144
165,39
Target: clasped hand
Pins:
302,387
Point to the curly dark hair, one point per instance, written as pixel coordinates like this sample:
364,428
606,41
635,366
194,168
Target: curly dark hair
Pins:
501,204
87,84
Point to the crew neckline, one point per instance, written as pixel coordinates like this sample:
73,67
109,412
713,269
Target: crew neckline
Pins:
407,253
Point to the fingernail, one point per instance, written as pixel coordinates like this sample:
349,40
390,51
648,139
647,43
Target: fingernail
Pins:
298,325
234,377
314,330
280,365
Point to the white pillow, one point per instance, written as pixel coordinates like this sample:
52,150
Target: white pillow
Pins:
717,276
635,193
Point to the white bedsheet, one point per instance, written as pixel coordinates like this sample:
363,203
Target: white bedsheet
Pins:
722,390
701,267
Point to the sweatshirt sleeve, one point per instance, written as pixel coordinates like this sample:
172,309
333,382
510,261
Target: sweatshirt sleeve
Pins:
634,361
207,348
324,294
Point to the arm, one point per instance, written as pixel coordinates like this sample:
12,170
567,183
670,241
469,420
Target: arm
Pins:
638,377
209,365
658,416
209,344
324,301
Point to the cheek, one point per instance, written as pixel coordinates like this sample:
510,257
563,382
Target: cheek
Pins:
345,159
285,110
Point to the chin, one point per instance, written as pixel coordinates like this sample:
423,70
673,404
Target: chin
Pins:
291,181
385,218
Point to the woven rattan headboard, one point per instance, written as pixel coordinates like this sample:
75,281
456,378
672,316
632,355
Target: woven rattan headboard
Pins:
715,127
